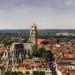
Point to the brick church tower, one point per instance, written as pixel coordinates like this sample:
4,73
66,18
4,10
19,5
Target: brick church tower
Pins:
33,36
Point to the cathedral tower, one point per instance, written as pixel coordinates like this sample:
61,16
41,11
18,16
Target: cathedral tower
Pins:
33,36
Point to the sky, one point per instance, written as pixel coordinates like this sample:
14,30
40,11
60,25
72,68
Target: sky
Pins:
46,14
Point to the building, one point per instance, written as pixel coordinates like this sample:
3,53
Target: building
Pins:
33,37
17,52
28,48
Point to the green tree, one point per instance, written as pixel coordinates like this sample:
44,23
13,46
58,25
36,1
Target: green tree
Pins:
7,73
20,73
42,73
36,73
48,55
27,73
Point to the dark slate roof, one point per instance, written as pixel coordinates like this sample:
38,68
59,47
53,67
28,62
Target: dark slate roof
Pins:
69,59
66,63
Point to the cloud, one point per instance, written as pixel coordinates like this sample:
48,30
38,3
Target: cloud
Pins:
11,4
65,4
45,13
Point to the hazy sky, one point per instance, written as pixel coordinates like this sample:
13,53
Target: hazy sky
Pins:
50,14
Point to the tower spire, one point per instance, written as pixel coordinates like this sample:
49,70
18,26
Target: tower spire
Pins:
33,36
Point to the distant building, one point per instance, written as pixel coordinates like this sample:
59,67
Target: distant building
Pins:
33,36
17,52
29,48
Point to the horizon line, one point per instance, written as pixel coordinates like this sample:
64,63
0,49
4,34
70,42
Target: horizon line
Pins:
41,29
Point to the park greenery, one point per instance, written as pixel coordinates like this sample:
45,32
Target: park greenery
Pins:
8,41
26,73
46,54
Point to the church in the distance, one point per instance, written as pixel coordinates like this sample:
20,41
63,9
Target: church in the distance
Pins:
19,51
33,37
